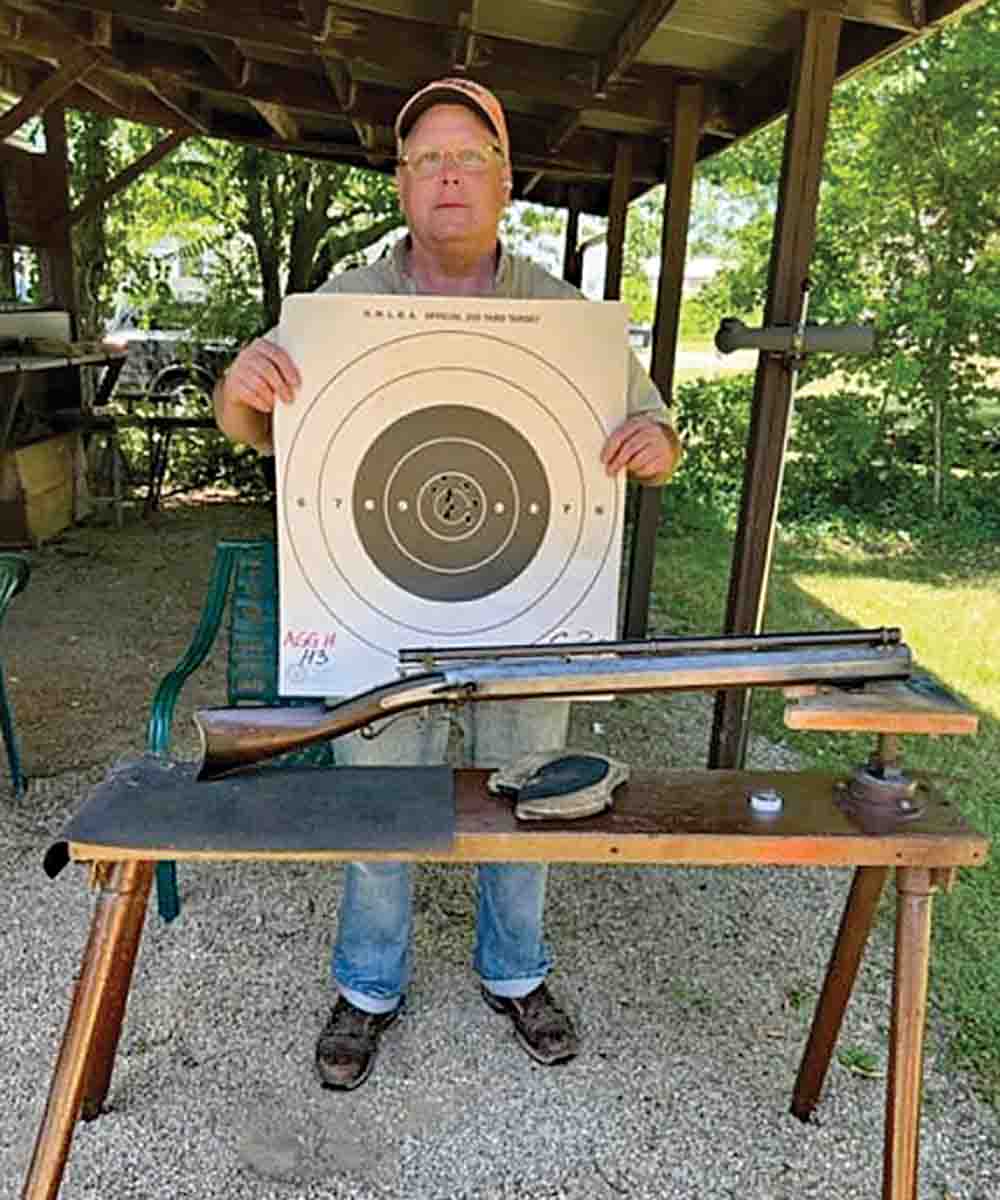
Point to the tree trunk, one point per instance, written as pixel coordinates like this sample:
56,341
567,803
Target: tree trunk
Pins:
264,243
90,249
318,187
937,402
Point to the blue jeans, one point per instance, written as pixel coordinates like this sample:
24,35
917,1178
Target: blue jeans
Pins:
371,958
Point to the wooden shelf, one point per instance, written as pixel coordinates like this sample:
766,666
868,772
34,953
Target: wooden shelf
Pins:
917,705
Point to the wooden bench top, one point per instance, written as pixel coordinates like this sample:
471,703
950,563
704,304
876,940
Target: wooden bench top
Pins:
694,817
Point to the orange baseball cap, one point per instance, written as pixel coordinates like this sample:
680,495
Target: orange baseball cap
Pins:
473,96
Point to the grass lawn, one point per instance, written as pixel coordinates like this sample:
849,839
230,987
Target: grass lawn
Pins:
948,606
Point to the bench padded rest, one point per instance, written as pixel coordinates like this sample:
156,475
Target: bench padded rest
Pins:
156,804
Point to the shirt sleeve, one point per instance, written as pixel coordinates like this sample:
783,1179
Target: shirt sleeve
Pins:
644,397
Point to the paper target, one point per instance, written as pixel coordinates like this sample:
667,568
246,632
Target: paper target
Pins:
441,487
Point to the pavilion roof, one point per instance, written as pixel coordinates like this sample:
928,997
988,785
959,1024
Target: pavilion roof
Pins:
326,80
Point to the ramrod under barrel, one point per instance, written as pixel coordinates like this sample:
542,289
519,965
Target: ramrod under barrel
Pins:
233,738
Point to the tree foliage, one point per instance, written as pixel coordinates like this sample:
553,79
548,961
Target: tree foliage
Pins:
907,235
255,223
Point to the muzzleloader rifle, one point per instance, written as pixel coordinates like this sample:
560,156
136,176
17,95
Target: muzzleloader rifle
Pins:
233,738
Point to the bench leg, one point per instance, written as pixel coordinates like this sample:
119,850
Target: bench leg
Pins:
914,898
852,937
83,1068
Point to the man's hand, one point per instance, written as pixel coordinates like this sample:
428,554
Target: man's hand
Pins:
261,375
644,447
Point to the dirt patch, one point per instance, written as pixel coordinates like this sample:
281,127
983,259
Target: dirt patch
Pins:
108,612
105,615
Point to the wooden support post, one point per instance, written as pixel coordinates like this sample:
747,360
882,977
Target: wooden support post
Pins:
57,257
621,185
49,91
8,283
688,111
572,258
791,251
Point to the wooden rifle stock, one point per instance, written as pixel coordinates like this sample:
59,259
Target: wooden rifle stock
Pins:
234,738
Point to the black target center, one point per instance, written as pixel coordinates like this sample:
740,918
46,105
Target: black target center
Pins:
451,502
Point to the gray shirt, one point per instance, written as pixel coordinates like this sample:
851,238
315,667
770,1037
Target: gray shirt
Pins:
517,278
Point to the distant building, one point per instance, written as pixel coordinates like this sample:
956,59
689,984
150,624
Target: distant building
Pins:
698,270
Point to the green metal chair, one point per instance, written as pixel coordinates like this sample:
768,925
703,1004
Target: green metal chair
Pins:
14,572
244,580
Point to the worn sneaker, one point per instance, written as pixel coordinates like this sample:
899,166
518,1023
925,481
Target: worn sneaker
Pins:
346,1049
541,1026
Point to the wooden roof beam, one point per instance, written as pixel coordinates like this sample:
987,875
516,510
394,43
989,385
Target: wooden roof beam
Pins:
532,183
910,16
463,55
66,39
563,131
640,26
11,25
124,177
370,148
315,16
140,105
182,104
211,22
346,91
229,59
592,156
39,31
647,96
765,98
73,68
414,51
280,120
297,91
95,92
344,87
128,102
275,114
102,30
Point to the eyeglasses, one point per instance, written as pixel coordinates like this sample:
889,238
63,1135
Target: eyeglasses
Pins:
430,160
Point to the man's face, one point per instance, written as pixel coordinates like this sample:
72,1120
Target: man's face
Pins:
453,208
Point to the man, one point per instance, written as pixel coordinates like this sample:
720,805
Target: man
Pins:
454,180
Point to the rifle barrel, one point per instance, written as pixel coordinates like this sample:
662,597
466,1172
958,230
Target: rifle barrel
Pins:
880,636
233,738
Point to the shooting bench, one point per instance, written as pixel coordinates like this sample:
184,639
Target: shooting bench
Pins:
154,810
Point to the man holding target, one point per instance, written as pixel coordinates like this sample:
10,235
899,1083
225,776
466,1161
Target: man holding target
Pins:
454,181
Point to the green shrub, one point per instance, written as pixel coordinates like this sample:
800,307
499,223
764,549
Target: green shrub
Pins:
840,457
713,418
851,465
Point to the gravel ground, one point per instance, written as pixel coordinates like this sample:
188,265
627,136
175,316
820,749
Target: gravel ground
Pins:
693,989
